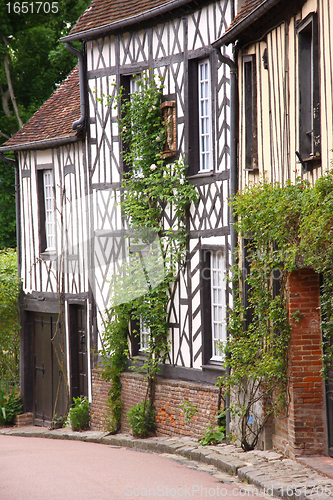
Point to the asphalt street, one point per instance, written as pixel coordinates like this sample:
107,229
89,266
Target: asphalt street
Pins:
47,469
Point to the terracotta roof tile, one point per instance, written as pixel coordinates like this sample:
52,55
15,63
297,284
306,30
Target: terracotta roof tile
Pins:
247,8
55,117
104,12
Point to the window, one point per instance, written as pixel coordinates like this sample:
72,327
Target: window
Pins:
214,304
134,86
200,140
308,82
46,210
205,137
144,336
250,112
130,84
140,337
217,287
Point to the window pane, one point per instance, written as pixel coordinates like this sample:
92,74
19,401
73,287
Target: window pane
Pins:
218,302
204,115
49,209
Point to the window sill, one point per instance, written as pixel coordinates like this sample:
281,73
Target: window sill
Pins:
214,366
311,163
48,255
251,169
208,173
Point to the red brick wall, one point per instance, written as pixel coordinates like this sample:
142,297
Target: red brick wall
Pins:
303,430
98,406
169,395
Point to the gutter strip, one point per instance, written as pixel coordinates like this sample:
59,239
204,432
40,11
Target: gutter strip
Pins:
43,144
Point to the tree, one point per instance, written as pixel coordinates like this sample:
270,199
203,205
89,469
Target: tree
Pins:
32,63
9,318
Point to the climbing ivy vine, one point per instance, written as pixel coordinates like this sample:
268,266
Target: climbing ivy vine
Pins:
146,282
286,228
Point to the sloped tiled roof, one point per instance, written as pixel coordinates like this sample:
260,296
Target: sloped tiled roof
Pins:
54,118
103,12
246,13
248,7
256,17
108,15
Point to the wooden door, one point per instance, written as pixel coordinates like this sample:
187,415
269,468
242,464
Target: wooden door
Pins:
49,393
79,358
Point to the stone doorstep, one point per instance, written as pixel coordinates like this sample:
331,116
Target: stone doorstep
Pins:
263,475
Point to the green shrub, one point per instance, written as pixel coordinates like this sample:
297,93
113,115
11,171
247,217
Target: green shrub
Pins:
141,419
9,317
79,414
213,435
10,404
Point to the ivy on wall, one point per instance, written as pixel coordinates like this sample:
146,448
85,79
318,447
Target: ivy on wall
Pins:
146,282
286,228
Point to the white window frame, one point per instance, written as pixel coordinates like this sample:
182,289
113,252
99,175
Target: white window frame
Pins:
205,116
218,306
135,87
49,203
144,336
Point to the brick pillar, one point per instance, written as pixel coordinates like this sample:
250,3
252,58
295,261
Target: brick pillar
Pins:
307,429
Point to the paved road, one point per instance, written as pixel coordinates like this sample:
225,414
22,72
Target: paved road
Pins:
47,469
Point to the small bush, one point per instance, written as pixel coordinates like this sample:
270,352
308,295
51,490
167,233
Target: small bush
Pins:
79,414
10,404
141,419
213,435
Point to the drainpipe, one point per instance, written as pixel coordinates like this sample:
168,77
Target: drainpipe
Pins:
233,174
79,124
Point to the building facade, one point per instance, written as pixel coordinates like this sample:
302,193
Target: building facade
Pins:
284,62
72,233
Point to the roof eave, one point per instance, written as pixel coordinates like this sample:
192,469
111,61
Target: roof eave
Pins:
42,144
232,34
125,23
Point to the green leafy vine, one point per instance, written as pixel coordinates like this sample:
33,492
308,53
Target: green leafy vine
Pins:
286,228
146,282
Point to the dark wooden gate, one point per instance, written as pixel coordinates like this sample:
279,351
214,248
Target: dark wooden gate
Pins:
78,343
49,389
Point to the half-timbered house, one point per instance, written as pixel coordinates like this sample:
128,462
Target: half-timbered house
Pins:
284,54
71,229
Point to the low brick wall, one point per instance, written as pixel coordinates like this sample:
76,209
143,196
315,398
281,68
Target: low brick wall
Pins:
169,395
24,419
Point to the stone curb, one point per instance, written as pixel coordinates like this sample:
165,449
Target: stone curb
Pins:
264,473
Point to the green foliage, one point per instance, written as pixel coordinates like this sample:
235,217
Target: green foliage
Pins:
10,404
114,358
287,228
213,435
189,410
7,206
145,284
79,414
9,318
141,419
